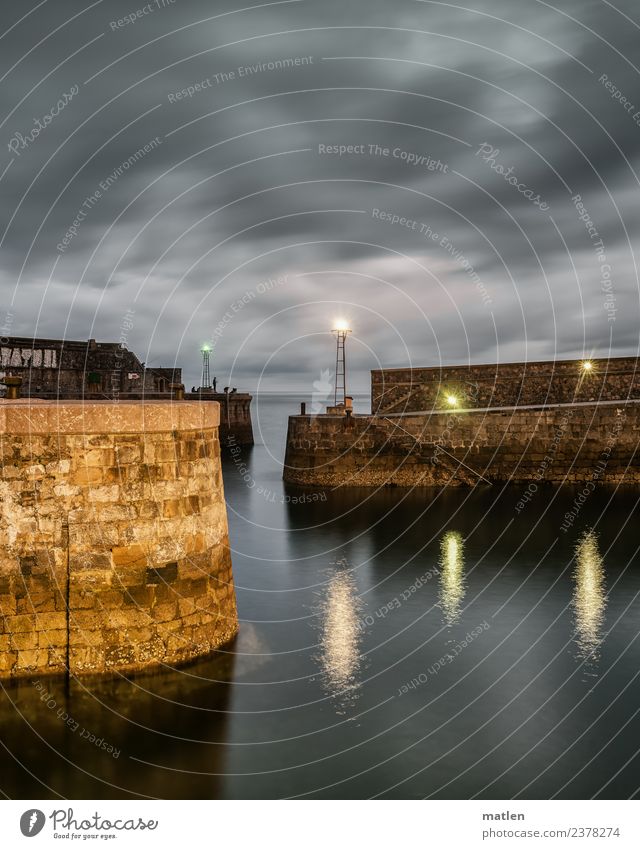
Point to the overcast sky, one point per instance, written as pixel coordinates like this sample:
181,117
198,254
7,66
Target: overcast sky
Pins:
237,185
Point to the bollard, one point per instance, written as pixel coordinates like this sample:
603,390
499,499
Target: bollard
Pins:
13,384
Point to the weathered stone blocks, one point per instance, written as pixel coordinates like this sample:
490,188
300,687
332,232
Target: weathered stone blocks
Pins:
405,390
558,444
94,566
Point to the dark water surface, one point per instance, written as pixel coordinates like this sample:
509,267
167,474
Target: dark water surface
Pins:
393,643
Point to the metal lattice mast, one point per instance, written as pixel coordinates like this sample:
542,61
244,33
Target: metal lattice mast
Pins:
206,376
341,364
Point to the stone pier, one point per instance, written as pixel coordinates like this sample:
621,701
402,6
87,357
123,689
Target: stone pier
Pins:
114,551
568,421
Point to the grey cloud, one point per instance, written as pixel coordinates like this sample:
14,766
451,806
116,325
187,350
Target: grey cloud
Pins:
513,247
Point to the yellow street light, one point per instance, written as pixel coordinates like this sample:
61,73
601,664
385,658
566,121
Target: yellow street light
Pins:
452,400
587,365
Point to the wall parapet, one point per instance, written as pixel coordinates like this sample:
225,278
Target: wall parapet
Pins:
505,384
38,416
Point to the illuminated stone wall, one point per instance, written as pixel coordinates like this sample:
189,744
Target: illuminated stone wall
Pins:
504,384
561,444
114,550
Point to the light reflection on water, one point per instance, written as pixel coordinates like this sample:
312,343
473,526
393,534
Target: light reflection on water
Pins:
452,583
339,643
589,598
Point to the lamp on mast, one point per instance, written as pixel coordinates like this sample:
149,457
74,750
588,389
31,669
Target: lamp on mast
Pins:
205,383
341,331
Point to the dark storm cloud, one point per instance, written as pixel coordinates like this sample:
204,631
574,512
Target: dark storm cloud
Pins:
234,192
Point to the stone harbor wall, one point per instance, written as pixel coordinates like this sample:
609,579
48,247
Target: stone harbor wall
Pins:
504,384
235,415
114,552
590,442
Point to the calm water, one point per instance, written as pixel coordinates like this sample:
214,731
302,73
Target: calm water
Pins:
393,643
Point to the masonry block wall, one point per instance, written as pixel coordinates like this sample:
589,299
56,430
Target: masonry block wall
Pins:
114,552
595,443
504,384
235,415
